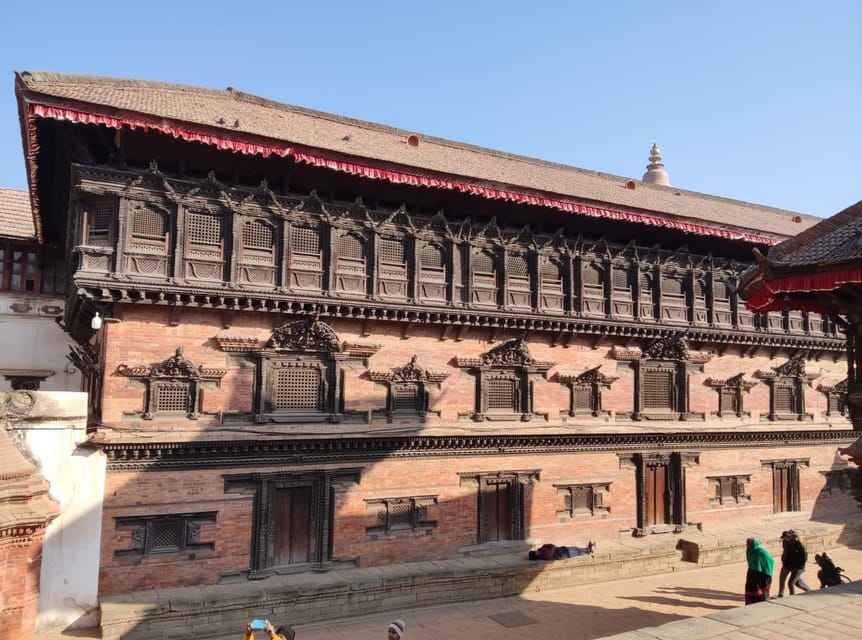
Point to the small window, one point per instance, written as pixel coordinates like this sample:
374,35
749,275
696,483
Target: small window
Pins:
729,400
483,262
658,390
391,251
551,271
783,398
258,243
305,241
172,397
502,395
164,535
729,490
149,228
350,247
518,267
592,275
582,500
204,235
431,257
20,266
673,286
100,224
405,397
297,388
402,514
720,290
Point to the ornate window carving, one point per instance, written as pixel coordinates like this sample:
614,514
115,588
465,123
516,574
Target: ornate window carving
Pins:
552,282
392,267
729,489
518,281
662,379
407,388
402,514
583,499
100,218
257,253
173,386
674,305
646,295
299,374
148,238
305,258
484,281
786,389
292,516
698,301
836,398
204,246
785,483
350,264
178,534
722,307
730,392
432,271
505,376
585,391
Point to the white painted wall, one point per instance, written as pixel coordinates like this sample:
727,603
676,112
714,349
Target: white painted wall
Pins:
70,554
32,339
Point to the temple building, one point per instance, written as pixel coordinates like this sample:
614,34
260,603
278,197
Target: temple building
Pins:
314,342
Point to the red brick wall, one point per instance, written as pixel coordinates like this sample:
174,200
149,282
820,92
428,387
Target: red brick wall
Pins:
20,565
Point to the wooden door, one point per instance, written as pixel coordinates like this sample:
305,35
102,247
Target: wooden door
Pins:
497,504
657,494
291,521
782,489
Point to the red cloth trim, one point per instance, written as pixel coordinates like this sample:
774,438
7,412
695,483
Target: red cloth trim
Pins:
772,296
398,177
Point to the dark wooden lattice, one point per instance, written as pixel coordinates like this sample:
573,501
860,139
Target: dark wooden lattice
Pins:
257,235
699,289
673,286
149,227
171,397
501,394
783,398
620,276
391,251
431,257
658,390
645,283
518,267
305,241
720,290
296,388
405,396
592,275
204,234
729,400
483,262
100,222
350,247
583,398
166,536
551,271
400,514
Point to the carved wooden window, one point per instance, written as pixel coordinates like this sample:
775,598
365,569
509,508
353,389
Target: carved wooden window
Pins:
658,388
406,398
172,397
100,218
258,243
305,241
432,271
593,275
305,258
519,270
673,286
407,388
392,251
148,230
296,386
730,401
551,278
350,248
662,380
402,514
582,399
519,293
483,263
582,499
164,534
729,490
720,290
431,258
502,394
204,235
20,267
392,267
621,276
485,278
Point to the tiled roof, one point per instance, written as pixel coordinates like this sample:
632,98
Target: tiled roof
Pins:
833,241
234,114
16,219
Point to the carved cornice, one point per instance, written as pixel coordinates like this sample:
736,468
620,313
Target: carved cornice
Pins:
737,382
590,376
360,349
793,368
238,344
511,353
626,354
839,387
305,335
674,347
177,366
410,372
244,453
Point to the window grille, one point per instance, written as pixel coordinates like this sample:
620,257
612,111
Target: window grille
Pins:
297,388
171,397
305,240
350,247
20,268
394,514
483,262
431,257
658,390
400,514
99,232
149,225
551,270
783,398
699,289
729,400
257,235
204,231
501,394
583,397
720,290
582,499
518,267
391,251
835,403
405,396
592,275
166,536
620,277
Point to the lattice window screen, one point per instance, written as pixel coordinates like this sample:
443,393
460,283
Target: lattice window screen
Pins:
620,276
729,400
405,396
431,257
551,270
172,398
305,240
518,267
99,232
166,536
400,514
645,283
783,398
483,262
592,275
699,289
720,290
350,247
204,229
583,398
834,403
257,235
582,499
391,251
674,286
297,388
149,224
501,394
657,390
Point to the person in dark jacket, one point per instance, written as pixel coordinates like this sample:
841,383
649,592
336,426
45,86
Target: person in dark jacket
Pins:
794,558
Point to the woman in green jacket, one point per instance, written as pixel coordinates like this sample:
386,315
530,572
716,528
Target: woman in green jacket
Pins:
758,580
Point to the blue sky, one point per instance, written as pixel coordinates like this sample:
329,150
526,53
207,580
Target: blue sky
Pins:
753,100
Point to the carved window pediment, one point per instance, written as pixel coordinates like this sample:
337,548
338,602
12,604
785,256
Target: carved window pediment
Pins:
305,335
585,395
673,347
407,388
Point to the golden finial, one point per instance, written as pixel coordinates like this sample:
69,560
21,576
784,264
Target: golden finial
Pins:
655,154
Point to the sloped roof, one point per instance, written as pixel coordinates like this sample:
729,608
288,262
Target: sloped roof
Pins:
832,241
16,219
270,127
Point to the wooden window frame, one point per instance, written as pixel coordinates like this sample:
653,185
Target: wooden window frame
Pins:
418,508
594,493
9,248
144,534
729,489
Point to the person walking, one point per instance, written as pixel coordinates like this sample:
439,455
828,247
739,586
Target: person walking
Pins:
785,570
758,579
797,556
